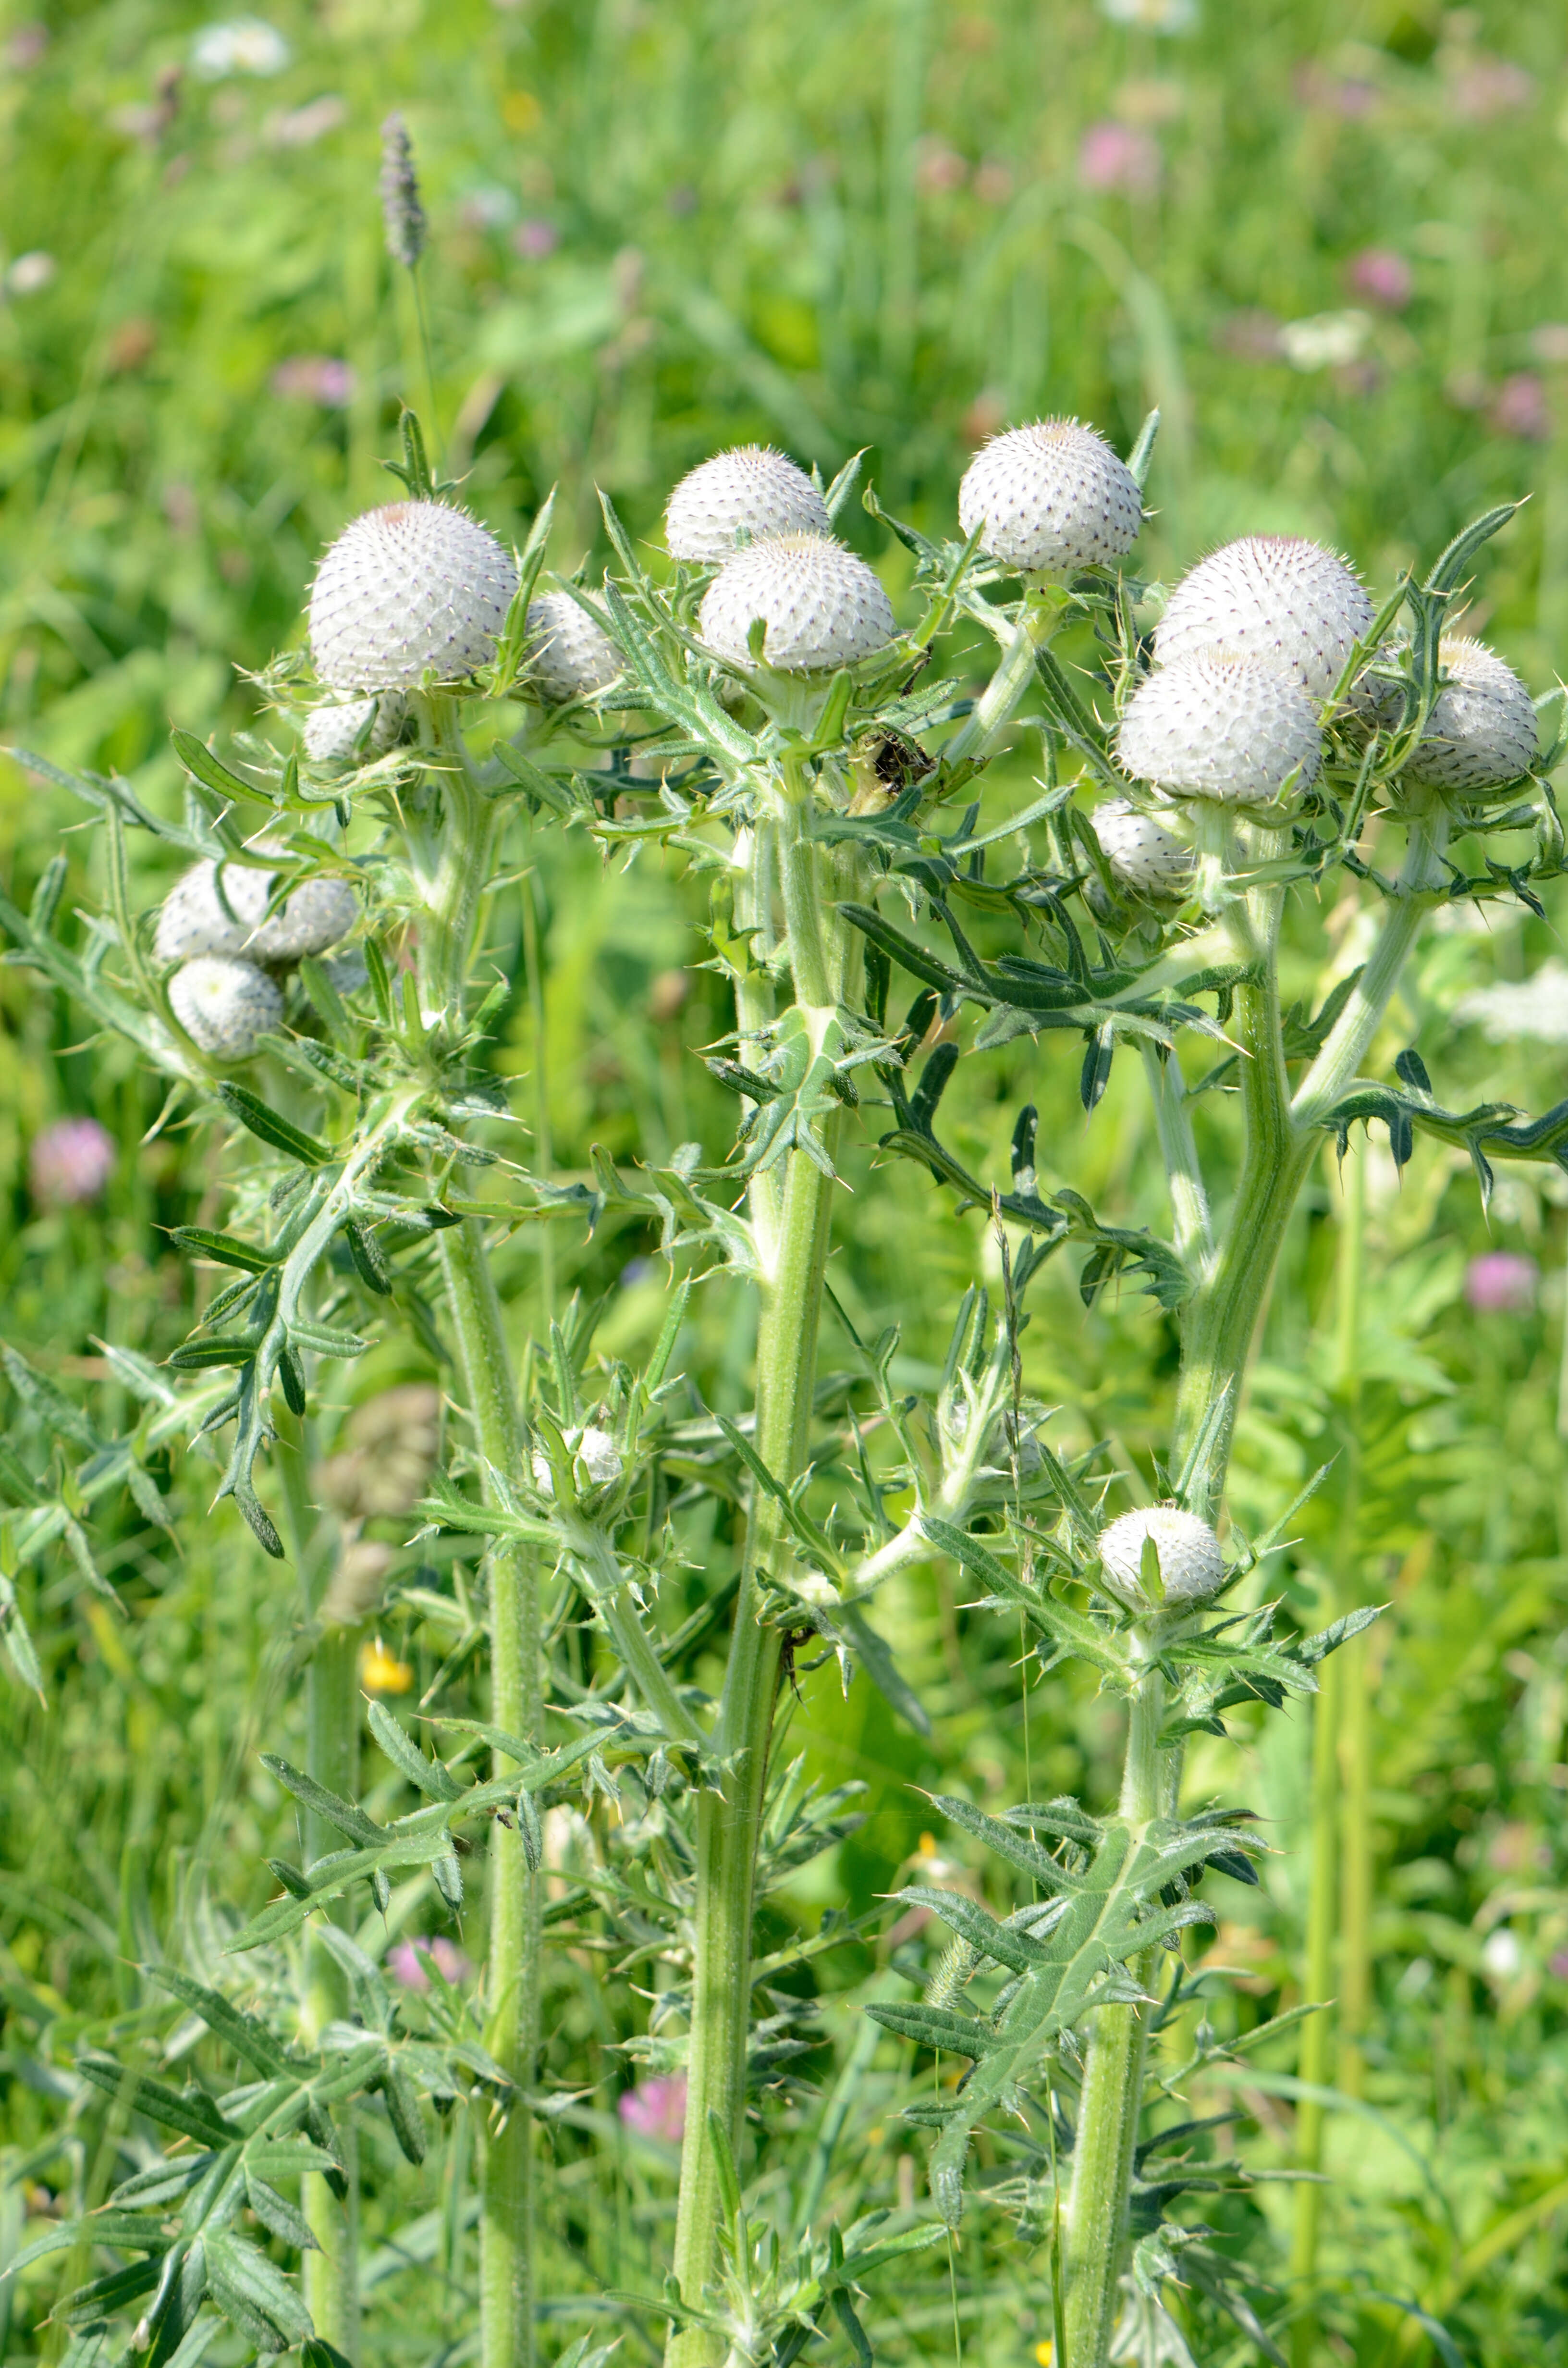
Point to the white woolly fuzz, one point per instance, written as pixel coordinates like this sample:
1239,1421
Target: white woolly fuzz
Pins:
223,1006
1269,596
594,1449
192,920
1191,1564
821,604
1142,854
331,732
1481,731
569,655
751,490
1225,727
1051,497
412,589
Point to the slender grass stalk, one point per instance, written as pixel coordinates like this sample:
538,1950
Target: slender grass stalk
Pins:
1312,2063
1355,1663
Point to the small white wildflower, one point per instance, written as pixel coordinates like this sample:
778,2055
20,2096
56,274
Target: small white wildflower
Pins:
1326,340
1051,497
244,45
30,272
1152,16
224,1006
1501,1954
751,490
569,655
1271,597
331,732
1535,1009
1482,732
1142,854
1231,728
411,589
822,607
1191,1564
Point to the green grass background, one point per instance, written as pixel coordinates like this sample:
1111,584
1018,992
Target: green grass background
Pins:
658,226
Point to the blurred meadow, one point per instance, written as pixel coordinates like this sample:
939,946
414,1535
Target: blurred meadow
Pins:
1326,240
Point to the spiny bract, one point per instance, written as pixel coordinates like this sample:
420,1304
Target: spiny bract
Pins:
415,588
1142,854
1481,731
331,732
569,655
224,1006
1191,1564
1231,728
193,921
751,489
1052,496
821,604
1269,596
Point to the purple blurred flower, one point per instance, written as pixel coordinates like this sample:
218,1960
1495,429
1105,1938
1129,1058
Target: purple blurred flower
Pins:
1557,1964
1380,276
406,1963
1118,156
656,2109
70,1162
1487,86
534,239
1520,408
316,378
1501,1283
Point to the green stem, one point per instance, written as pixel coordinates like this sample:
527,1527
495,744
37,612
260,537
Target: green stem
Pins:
544,1149
332,1757
793,1228
506,2267
1172,1120
1113,2086
978,734
1318,1987
455,893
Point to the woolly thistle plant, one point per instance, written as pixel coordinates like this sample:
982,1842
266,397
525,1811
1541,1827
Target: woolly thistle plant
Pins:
798,752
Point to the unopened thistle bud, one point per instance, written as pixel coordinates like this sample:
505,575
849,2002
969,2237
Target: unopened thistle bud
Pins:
401,211
1273,596
1142,854
1234,729
569,655
1481,731
410,590
224,1006
821,604
331,732
1192,1567
752,490
192,919
1051,497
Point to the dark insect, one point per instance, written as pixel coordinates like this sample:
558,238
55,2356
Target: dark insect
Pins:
792,1641
899,760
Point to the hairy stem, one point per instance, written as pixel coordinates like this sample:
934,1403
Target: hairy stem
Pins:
792,1226
1112,2096
978,734
1194,1225
511,2035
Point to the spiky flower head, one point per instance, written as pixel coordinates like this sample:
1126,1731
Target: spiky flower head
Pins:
1051,497
401,213
751,490
569,655
1481,731
1191,1564
1268,595
224,1006
821,604
1226,727
192,919
331,732
1142,854
414,588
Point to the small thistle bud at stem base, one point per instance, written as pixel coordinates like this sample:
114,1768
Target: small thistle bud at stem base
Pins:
224,1006
569,657
1482,733
1141,853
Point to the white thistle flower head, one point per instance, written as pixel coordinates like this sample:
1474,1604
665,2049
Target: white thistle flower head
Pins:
1234,729
750,490
1482,732
331,732
1140,852
1191,1564
1269,596
821,604
412,589
569,655
1051,497
192,919
224,1006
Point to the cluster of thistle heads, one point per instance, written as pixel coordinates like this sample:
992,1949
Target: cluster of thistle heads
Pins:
1251,661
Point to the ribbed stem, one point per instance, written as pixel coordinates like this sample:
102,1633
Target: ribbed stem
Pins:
981,728
792,1231
511,2035
1106,2144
